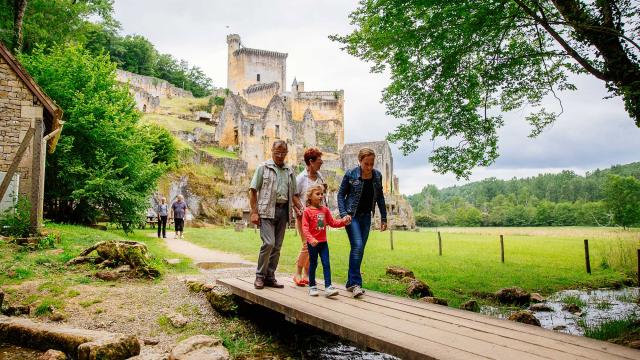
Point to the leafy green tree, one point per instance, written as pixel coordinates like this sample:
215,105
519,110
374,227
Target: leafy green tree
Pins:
454,63
622,197
47,22
103,162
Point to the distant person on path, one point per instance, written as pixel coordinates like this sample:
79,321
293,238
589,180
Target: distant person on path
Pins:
178,212
315,219
163,213
360,190
273,200
304,181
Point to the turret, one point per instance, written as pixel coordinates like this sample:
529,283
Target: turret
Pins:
233,42
294,88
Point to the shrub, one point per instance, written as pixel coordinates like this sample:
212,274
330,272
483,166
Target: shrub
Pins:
15,222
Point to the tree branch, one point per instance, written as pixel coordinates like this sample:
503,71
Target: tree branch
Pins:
565,45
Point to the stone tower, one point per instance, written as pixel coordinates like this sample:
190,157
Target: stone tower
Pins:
250,68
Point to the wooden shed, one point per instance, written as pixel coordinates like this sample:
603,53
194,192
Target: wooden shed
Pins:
30,126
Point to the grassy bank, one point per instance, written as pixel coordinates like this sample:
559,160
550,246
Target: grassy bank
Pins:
56,280
470,261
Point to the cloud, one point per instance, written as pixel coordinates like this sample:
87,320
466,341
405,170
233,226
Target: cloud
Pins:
591,133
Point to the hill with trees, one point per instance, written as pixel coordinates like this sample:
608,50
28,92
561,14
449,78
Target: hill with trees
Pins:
26,24
601,197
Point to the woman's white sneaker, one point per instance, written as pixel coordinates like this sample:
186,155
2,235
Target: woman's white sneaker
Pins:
357,291
330,291
313,291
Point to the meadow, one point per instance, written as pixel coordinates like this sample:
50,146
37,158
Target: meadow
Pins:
542,260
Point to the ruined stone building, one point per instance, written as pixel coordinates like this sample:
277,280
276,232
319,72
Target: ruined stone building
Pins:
147,90
259,109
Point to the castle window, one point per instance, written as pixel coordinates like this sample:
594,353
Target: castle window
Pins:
251,130
284,98
235,135
258,77
277,131
144,108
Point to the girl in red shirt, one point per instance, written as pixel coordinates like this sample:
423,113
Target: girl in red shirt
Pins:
314,221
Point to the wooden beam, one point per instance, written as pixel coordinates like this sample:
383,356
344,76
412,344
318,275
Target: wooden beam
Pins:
15,162
37,176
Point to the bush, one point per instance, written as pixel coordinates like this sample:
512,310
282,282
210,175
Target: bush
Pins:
15,222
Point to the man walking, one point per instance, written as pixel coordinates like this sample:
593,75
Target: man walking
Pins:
178,211
273,199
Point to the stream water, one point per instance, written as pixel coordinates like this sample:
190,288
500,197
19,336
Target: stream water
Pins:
596,306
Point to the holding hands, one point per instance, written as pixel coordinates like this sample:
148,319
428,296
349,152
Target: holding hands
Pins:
347,219
383,226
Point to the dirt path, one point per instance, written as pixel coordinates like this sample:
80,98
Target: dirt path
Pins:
200,254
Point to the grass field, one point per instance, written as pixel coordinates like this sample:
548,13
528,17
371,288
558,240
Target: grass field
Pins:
470,261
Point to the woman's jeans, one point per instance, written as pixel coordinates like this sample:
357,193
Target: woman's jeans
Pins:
322,249
162,224
358,232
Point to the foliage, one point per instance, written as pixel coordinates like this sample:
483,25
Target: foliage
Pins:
163,144
455,65
103,161
622,196
562,199
49,22
16,221
611,329
91,24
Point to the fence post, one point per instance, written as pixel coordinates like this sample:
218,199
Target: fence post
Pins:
586,255
391,238
439,244
638,267
501,248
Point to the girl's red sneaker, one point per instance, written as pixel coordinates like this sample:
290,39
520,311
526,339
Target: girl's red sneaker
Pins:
305,281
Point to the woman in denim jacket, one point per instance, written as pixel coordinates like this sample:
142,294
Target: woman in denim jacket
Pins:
360,190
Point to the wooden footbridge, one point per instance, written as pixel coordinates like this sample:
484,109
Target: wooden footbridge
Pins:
412,329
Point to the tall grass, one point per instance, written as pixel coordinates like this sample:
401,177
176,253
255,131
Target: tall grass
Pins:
611,329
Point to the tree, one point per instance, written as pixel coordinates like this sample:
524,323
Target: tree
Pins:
454,63
104,162
622,196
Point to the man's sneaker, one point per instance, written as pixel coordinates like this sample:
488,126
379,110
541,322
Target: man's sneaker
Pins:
330,291
357,291
313,291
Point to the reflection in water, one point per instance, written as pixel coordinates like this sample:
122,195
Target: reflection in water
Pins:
596,307
11,352
341,351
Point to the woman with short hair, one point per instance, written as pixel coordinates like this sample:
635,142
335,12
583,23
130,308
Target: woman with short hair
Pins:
304,181
360,190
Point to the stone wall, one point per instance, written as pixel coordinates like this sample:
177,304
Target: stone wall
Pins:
383,163
148,90
16,114
246,64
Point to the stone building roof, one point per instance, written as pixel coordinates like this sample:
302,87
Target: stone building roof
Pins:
52,113
245,50
246,108
259,87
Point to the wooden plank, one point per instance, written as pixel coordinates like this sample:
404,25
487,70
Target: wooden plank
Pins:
397,320
37,176
504,328
15,162
482,335
358,330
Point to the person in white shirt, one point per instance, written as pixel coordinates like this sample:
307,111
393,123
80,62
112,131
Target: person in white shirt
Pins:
305,180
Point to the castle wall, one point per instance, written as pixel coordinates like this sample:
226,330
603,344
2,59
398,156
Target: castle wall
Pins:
263,96
147,90
246,64
383,163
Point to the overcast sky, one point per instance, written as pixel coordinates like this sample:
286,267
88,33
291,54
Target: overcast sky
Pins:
592,133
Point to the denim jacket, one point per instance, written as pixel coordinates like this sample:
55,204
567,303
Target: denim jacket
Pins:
351,190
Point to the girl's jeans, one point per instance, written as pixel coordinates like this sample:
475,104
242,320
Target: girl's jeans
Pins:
322,249
358,232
